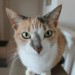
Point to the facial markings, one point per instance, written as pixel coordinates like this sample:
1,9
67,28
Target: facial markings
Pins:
32,24
36,42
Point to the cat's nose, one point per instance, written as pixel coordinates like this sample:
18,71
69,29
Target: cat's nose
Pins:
38,49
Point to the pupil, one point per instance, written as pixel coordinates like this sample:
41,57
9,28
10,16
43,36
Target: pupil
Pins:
48,33
26,34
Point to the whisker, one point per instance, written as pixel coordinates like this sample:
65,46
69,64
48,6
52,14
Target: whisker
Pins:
11,42
12,50
16,58
12,57
11,53
13,61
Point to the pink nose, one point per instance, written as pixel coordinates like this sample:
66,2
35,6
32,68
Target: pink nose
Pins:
38,50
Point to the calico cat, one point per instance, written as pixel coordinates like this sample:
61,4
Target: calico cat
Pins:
39,40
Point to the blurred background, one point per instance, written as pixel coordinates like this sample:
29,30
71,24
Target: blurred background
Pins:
37,8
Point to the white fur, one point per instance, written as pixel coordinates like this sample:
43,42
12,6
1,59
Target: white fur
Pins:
46,73
29,72
38,63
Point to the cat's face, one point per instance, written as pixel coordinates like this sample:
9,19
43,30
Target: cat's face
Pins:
37,34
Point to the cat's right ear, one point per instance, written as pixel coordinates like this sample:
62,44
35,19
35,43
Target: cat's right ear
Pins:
14,18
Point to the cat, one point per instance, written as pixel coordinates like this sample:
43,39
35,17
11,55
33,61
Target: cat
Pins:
40,42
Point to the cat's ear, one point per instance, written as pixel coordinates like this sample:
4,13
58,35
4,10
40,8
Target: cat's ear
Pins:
54,15
14,18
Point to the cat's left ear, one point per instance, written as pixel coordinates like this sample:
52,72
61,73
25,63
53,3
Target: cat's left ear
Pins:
54,15
14,18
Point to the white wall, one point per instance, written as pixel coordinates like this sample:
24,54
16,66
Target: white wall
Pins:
68,13
48,8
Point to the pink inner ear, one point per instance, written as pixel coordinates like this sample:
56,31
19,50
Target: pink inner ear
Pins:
13,23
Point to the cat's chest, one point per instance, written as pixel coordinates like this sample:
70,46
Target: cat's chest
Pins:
38,62
37,59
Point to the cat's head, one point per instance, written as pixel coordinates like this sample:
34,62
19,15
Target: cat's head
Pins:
38,33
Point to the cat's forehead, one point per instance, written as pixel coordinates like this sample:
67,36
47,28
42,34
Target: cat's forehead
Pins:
36,20
32,23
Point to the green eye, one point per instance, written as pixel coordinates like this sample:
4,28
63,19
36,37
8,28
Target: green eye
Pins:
48,34
26,35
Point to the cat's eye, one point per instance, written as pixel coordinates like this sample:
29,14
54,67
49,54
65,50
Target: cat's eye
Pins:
26,35
48,34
